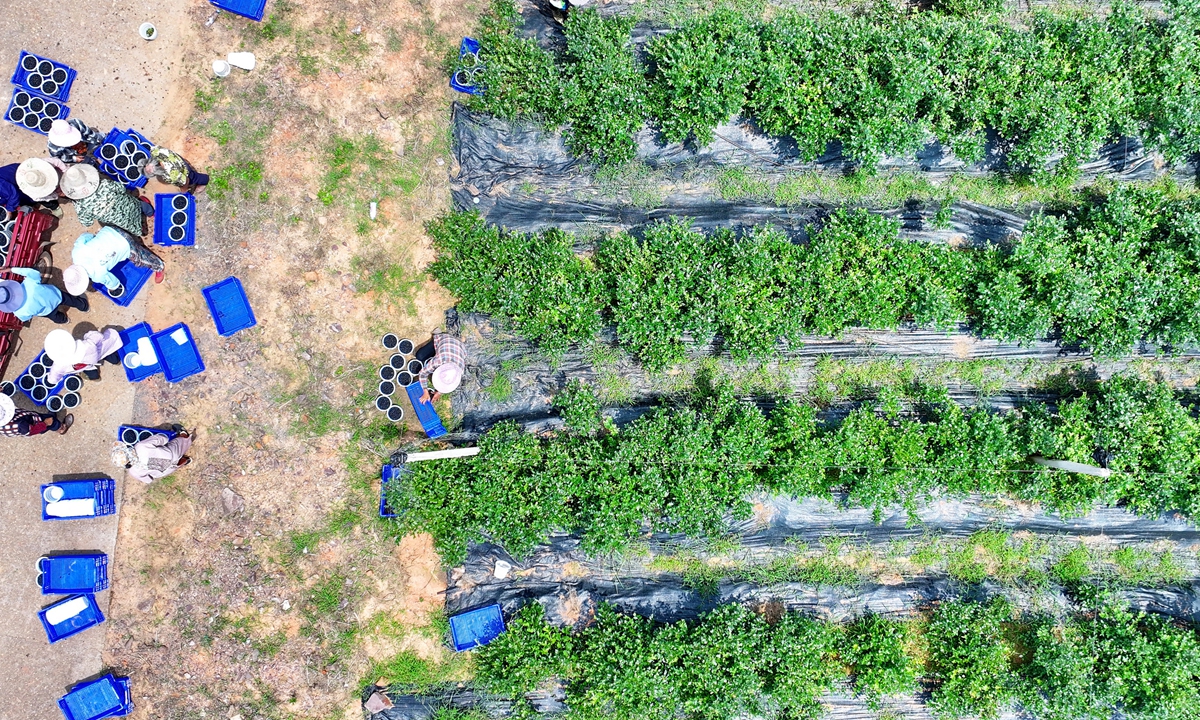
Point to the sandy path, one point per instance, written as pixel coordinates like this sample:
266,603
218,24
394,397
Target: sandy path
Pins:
127,82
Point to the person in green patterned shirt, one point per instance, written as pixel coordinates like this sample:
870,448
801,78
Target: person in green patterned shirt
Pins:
170,168
99,199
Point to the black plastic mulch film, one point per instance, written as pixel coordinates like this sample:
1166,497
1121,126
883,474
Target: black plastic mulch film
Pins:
524,178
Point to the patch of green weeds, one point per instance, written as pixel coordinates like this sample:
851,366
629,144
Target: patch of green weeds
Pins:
408,669
501,387
221,131
392,283
208,96
377,173
639,181
1140,566
1073,566
277,24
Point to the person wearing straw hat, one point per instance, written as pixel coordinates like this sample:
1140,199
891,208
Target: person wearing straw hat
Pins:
33,298
153,458
170,168
101,200
69,356
38,179
71,141
445,359
94,255
16,422
11,196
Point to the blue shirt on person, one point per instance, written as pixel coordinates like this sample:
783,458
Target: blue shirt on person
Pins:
40,299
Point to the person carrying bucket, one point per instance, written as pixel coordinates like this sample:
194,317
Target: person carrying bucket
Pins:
33,298
153,458
16,422
445,361
69,356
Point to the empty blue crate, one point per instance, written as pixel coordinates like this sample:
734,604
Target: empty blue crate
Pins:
476,628
100,491
390,473
133,278
44,76
229,306
177,352
34,112
252,9
463,79
174,219
431,422
78,573
131,434
121,155
130,336
104,698
70,616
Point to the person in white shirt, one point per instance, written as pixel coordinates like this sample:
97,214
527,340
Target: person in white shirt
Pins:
153,458
69,356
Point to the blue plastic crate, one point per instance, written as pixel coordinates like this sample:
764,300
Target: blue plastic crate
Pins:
426,414
103,490
89,616
468,45
252,9
50,389
178,359
142,431
129,338
66,574
59,74
104,698
34,112
229,306
476,628
133,277
166,205
108,155
390,472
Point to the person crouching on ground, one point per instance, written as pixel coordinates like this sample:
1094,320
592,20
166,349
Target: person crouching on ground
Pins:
15,422
153,458
39,179
33,298
445,361
71,141
95,255
170,168
101,200
69,356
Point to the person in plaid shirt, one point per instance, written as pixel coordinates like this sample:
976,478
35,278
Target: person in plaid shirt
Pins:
445,359
15,422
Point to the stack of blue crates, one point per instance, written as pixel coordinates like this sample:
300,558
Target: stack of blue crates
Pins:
40,90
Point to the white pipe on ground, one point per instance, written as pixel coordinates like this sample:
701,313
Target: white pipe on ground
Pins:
442,454
1069,466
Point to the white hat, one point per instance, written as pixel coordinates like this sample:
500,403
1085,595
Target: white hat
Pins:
37,178
60,346
80,181
446,378
64,134
76,279
7,409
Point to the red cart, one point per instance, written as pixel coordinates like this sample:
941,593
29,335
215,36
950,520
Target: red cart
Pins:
28,230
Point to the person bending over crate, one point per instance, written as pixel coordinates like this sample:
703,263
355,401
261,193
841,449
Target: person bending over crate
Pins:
69,356
101,200
170,168
15,422
33,298
445,361
95,255
71,141
153,458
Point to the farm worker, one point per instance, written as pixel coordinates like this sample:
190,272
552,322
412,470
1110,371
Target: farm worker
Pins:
11,196
153,458
445,359
71,141
38,179
96,254
101,200
69,356
32,298
170,168
15,422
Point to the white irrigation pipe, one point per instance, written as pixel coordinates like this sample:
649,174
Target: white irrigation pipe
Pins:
1072,466
442,454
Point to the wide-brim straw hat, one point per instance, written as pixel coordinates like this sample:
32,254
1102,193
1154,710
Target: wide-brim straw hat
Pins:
64,134
80,181
37,178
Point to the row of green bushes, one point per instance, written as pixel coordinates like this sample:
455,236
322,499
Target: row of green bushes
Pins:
881,82
1109,272
734,663
686,469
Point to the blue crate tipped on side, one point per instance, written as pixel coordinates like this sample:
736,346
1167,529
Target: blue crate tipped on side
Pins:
101,491
121,154
70,616
103,698
34,112
390,472
44,76
177,352
476,628
133,278
174,219
431,422
467,84
229,306
252,9
74,573
130,337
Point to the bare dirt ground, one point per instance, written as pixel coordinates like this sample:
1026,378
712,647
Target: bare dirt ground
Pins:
259,582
